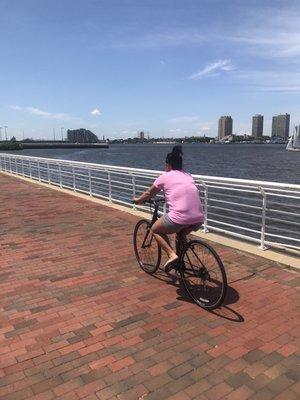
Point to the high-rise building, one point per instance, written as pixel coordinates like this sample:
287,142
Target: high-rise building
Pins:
257,125
142,135
225,126
281,126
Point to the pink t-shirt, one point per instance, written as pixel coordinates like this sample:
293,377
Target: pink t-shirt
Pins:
182,196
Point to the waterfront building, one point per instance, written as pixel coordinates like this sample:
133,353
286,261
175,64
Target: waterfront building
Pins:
257,126
81,136
281,126
142,135
225,126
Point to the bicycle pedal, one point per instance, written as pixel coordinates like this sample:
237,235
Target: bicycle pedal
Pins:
171,266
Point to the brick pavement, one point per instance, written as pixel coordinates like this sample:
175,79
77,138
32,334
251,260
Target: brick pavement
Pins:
79,320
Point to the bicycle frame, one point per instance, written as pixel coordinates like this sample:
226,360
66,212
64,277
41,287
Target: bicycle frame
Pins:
181,240
153,220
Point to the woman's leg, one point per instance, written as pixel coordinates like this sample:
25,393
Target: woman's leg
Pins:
160,232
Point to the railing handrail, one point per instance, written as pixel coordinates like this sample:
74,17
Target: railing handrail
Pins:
276,205
206,178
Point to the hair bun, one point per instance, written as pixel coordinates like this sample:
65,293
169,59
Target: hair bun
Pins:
177,150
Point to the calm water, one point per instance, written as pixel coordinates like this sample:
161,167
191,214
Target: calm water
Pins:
244,161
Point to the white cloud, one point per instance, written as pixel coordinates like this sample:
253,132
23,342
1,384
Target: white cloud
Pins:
37,111
213,69
205,128
190,125
171,38
271,44
283,89
271,31
271,80
45,114
184,119
96,111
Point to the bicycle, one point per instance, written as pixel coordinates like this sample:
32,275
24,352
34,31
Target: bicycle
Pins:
200,267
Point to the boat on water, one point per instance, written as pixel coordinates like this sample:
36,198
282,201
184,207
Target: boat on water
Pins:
294,141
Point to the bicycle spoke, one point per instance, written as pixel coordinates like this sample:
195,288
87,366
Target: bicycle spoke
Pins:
191,264
202,263
203,275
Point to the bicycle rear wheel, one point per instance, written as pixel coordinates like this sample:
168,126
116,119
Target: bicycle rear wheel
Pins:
147,251
203,275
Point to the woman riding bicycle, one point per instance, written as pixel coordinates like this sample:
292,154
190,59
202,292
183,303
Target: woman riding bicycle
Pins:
181,194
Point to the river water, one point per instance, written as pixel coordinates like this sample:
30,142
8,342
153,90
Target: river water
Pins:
269,162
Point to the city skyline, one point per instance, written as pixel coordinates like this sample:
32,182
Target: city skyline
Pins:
280,128
120,67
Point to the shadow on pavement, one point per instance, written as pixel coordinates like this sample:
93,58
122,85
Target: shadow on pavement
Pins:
226,312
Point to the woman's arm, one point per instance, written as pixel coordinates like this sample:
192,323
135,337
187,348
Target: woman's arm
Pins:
151,192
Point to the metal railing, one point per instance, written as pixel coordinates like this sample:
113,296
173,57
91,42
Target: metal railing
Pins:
266,213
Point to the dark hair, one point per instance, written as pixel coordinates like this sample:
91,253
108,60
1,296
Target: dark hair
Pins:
175,158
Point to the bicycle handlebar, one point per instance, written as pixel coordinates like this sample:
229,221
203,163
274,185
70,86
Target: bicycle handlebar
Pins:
156,202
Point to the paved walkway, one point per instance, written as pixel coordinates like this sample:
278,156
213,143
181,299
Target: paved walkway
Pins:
79,320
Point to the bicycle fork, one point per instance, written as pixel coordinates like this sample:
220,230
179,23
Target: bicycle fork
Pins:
145,244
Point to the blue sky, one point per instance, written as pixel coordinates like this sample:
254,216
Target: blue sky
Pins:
167,67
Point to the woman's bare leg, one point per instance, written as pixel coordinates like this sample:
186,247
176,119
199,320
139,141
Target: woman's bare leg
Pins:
160,234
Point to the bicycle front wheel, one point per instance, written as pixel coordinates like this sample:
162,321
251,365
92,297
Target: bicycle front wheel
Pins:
147,250
203,275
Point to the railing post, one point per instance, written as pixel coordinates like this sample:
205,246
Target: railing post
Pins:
22,164
16,166
90,182
74,179
133,190
165,208
48,172
205,229
10,165
39,171
60,176
263,219
109,186
30,172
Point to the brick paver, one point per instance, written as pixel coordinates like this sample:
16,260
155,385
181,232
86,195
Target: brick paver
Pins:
79,320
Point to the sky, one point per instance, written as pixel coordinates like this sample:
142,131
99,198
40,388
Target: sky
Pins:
168,67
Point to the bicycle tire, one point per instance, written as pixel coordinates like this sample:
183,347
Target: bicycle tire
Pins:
146,262
207,297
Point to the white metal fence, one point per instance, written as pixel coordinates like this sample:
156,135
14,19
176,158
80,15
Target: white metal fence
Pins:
263,212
